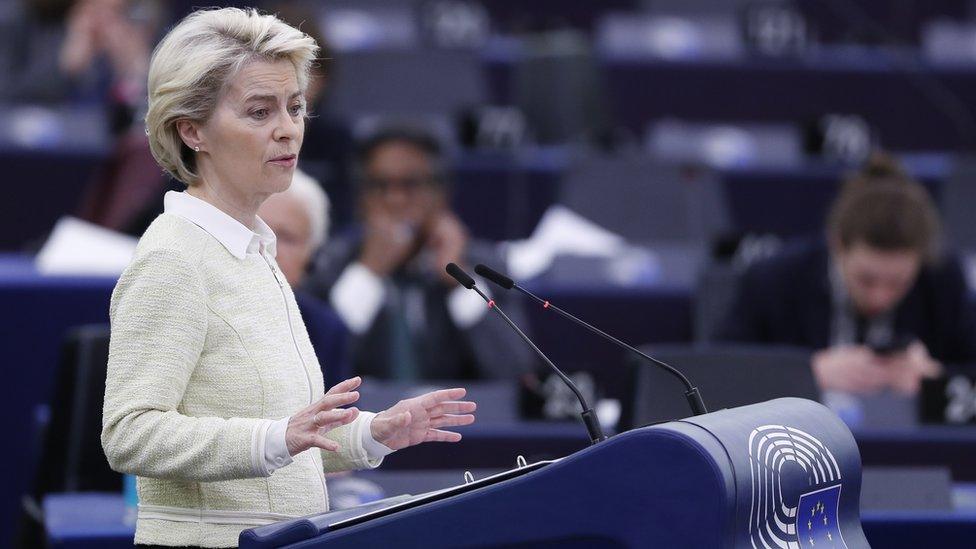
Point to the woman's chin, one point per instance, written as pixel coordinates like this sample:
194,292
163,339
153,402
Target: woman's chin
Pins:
279,183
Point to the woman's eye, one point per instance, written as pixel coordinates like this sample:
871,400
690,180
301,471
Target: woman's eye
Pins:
297,109
259,113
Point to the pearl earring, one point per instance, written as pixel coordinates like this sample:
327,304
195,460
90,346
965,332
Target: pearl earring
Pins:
197,148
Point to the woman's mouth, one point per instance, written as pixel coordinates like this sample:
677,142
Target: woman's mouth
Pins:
285,160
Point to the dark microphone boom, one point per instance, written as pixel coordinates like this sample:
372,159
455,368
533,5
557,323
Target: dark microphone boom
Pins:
463,278
691,392
588,415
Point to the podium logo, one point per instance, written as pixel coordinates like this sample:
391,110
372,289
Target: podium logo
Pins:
796,488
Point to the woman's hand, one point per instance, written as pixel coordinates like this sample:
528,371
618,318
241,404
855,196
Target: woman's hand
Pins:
420,419
307,428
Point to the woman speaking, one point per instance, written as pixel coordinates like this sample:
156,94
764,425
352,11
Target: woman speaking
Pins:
214,396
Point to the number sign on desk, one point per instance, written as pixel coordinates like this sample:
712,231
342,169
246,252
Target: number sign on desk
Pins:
950,400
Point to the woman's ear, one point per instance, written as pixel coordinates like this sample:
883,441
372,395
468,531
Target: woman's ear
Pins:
190,133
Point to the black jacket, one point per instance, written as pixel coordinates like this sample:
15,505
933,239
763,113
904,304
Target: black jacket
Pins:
787,300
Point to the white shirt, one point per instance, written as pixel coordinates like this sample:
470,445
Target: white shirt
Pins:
241,241
359,293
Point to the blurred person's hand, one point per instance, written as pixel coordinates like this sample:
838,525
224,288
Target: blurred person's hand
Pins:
103,27
907,368
80,44
307,428
125,43
447,240
849,368
422,419
388,242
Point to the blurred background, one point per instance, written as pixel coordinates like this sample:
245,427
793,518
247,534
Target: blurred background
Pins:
632,161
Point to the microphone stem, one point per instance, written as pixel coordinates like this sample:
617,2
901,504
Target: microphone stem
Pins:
691,392
589,416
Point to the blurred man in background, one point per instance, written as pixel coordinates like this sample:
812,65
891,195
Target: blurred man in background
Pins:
299,218
879,301
386,279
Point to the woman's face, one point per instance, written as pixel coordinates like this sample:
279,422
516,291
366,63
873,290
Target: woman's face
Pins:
249,146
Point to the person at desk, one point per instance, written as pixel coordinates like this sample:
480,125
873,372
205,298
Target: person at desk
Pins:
386,279
881,304
214,397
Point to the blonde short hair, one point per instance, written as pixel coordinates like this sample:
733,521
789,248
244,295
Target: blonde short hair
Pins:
193,62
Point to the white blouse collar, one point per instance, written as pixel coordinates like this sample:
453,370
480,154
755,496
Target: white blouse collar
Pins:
238,239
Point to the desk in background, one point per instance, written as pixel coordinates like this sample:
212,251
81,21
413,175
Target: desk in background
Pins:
769,90
87,521
37,314
779,90
41,186
504,194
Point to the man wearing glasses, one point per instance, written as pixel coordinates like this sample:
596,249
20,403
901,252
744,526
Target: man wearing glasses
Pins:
386,278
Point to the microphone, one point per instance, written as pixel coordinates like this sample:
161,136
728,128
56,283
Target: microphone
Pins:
588,415
691,392
463,278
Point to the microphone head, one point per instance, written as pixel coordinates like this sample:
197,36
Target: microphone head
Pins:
494,276
458,274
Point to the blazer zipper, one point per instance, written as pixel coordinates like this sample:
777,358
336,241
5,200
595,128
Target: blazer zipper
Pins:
308,380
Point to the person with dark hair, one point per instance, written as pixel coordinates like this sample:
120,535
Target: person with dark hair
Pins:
880,301
386,278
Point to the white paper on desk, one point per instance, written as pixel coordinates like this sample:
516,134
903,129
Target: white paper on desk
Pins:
77,247
560,231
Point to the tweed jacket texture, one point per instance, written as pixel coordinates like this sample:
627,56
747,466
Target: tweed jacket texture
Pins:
206,350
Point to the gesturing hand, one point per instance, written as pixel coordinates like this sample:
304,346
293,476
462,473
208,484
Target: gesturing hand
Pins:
307,428
420,419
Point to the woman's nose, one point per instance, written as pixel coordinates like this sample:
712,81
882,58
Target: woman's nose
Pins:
287,128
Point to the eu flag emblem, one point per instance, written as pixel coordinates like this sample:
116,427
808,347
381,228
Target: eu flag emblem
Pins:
816,519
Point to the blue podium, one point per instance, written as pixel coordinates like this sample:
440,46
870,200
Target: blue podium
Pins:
780,474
